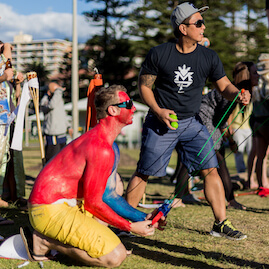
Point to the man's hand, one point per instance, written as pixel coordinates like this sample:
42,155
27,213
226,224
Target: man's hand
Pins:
8,46
161,223
164,116
70,132
244,97
233,146
19,78
228,137
8,73
143,228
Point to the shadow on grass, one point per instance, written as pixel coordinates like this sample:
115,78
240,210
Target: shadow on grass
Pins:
258,210
20,218
29,178
160,257
136,243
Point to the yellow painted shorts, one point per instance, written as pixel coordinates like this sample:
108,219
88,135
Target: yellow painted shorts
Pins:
74,226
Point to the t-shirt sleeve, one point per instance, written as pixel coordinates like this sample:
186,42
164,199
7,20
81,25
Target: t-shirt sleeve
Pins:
217,70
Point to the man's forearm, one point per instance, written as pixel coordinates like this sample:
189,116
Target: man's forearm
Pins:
149,98
146,93
230,92
243,95
3,77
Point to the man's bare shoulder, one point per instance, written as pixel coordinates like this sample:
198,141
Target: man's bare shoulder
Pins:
91,147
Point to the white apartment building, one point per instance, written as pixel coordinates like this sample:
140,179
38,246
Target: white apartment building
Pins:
50,52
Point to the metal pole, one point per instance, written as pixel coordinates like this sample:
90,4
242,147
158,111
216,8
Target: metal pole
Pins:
75,73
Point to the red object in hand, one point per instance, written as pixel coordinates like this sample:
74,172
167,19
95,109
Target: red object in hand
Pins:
157,217
242,91
162,211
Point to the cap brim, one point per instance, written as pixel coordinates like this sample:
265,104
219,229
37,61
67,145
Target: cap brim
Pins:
203,9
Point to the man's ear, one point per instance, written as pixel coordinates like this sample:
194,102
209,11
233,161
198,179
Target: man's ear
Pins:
182,29
113,110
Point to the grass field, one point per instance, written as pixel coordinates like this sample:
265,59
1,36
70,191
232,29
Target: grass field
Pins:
185,243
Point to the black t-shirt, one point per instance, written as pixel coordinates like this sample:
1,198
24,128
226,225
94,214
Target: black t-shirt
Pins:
181,77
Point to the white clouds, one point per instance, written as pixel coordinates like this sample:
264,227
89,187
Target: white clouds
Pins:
42,26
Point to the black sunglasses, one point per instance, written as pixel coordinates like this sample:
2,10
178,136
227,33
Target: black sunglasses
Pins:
198,23
127,104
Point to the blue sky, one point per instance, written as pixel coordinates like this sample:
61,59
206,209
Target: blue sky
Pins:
46,19
28,7
43,19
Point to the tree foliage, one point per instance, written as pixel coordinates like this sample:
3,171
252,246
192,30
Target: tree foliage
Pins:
234,28
108,14
42,76
39,68
112,57
151,24
65,70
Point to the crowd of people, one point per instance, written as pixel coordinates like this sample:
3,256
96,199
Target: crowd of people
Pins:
12,176
76,195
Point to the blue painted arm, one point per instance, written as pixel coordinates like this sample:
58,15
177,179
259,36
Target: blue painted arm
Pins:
121,207
115,201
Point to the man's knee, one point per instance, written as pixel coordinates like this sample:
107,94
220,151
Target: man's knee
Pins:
115,257
110,260
141,176
209,173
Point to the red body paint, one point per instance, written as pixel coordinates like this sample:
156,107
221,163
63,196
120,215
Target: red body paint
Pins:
82,168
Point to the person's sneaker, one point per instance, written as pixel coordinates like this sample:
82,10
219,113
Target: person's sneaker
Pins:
226,229
191,199
125,234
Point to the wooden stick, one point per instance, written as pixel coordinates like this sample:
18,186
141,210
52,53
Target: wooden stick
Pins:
35,95
246,193
144,199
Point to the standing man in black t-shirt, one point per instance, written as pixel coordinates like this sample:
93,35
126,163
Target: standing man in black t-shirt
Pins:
179,70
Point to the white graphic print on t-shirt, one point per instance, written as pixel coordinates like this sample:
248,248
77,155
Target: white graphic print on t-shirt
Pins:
183,78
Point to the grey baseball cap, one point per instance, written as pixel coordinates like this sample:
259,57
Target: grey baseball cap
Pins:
184,11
